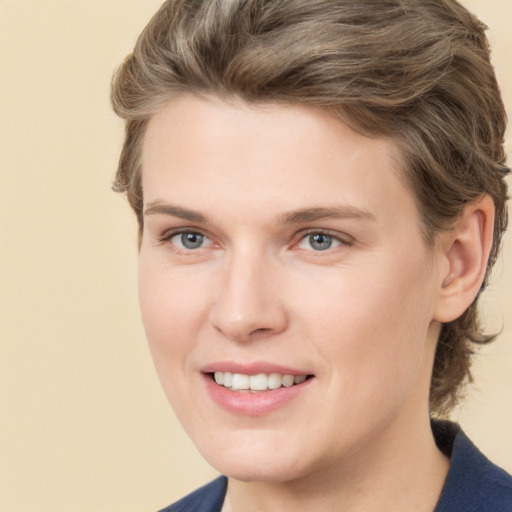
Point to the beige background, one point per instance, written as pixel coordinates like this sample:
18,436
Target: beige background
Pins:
83,423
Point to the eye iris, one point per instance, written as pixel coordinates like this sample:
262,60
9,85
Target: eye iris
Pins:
320,242
192,240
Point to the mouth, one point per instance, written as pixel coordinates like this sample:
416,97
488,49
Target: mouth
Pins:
257,388
259,383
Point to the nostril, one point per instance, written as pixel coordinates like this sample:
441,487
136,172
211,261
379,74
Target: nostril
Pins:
261,330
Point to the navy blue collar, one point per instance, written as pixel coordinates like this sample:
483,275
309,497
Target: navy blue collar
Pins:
473,484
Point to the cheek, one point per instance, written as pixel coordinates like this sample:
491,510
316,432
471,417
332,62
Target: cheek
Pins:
372,332
171,306
170,310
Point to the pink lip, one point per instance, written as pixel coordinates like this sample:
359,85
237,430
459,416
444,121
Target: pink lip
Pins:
252,404
252,368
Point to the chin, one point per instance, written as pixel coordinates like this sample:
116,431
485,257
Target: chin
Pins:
249,472
256,462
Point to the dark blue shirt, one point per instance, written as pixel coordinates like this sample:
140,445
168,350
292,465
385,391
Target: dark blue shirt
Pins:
473,484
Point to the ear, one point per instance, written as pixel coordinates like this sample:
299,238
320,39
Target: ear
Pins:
464,251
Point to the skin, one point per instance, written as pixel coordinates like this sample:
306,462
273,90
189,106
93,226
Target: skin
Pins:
362,317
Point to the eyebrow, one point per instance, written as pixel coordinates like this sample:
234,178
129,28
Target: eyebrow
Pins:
175,211
323,213
294,217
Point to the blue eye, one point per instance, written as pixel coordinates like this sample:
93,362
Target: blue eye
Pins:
189,240
318,242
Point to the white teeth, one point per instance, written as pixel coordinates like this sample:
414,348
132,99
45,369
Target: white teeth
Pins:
287,381
227,379
274,381
298,379
240,381
259,382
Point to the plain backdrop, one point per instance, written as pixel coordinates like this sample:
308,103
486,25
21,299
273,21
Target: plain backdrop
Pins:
84,425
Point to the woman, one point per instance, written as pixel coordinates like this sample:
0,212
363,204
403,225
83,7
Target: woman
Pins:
320,195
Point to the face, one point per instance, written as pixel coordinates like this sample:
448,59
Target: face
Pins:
282,253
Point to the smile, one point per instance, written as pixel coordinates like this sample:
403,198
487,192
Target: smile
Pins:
256,383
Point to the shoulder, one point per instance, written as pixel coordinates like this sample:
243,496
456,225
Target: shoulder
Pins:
474,483
208,498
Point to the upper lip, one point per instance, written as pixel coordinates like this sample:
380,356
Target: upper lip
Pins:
251,368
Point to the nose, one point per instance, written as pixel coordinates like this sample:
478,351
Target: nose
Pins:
249,303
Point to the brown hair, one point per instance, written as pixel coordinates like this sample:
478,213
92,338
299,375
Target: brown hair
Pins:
417,71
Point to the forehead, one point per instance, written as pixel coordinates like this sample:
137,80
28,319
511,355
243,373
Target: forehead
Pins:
277,156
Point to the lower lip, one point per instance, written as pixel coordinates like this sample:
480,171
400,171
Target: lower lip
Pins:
253,404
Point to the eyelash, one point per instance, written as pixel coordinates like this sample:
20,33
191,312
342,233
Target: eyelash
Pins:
345,240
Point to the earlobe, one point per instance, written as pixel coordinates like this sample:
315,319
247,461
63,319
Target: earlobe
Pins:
465,251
